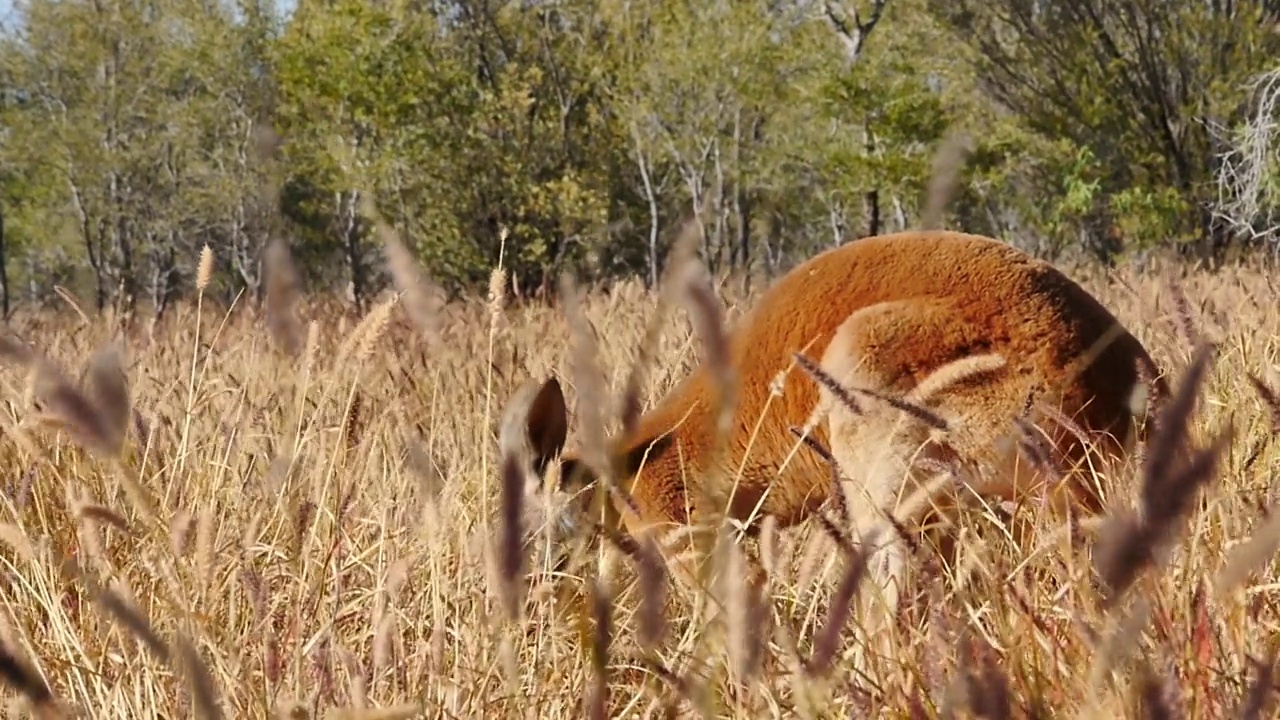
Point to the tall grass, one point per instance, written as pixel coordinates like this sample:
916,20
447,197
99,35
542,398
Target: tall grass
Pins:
298,515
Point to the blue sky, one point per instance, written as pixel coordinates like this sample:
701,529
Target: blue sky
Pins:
6,9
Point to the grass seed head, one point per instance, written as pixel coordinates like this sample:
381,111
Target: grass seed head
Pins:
204,270
283,289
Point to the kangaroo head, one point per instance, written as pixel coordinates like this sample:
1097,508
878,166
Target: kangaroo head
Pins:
546,427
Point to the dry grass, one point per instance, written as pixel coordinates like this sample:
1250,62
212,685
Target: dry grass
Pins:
213,523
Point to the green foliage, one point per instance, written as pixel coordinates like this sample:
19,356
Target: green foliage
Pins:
1151,217
572,137
897,121
133,133
1139,84
456,156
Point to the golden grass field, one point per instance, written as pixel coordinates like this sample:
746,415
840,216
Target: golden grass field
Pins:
310,535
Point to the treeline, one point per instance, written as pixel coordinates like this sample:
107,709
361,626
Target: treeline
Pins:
575,134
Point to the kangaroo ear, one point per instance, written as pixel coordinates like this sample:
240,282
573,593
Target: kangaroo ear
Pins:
547,424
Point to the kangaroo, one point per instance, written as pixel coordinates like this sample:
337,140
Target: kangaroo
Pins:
967,327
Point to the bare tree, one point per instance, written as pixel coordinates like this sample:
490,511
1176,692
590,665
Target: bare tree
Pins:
1248,177
851,26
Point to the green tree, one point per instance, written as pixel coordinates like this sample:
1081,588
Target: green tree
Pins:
139,111
467,124
1138,83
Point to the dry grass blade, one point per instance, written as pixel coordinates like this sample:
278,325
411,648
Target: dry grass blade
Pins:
1180,489
744,625
597,701
682,687
353,542
127,615
589,381
1170,436
1131,543
945,178
180,527
923,414
100,514
987,687
1154,695
359,345
18,541
71,302
135,622
652,577
394,712
626,544
679,263
1182,314
108,387
1269,398
282,294
141,428
827,640
69,408
15,351
838,390
708,321
424,468
423,299
1261,690
1124,550
811,443
510,533
204,693
24,680
1243,559
845,394
837,535
353,422
838,496
1036,448
1110,650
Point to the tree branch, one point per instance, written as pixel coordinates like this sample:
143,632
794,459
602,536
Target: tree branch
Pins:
850,27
